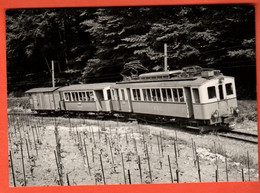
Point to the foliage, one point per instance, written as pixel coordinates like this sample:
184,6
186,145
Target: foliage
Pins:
99,44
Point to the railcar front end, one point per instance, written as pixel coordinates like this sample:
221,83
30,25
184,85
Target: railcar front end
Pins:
215,102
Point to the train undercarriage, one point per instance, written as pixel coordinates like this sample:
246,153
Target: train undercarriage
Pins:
227,122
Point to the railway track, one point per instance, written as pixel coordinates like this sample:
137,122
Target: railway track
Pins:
241,136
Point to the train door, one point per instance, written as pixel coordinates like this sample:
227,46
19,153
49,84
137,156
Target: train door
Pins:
99,96
61,101
129,99
187,91
115,100
56,98
51,106
39,100
109,100
35,101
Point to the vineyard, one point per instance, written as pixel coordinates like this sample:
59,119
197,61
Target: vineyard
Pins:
51,151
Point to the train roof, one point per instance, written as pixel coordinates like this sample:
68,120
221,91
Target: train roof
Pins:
92,86
192,82
44,89
155,74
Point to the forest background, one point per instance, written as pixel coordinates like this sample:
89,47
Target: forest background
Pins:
104,44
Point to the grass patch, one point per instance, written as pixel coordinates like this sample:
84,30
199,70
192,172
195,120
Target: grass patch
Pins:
248,110
22,102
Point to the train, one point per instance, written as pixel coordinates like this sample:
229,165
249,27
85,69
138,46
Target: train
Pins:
193,96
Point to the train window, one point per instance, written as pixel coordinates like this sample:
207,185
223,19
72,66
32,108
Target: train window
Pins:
158,93
67,96
134,95
229,89
175,95
83,94
123,94
153,95
116,94
149,96
87,96
164,94
108,95
91,96
145,94
77,96
138,94
73,96
113,94
196,95
80,96
169,94
220,89
212,92
181,96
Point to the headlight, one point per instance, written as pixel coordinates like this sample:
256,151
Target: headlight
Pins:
215,114
236,111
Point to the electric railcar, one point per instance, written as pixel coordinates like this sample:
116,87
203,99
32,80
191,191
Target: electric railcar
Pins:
189,96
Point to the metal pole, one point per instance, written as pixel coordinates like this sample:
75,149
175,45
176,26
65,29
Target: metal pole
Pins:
52,73
165,58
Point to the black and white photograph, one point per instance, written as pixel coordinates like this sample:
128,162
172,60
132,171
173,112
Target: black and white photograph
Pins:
131,95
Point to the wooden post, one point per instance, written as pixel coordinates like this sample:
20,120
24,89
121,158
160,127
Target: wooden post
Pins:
193,154
24,176
140,169
169,161
123,167
198,168
126,138
93,134
136,150
27,147
161,143
9,137
143,139
248,166
176,139
197,160
12,166
111,152
226,168
68,181
37,135
34,142
148,159
243,178
129,177
103,174
177,175
216,162
58,168
92,150
86,156
158,144
176,155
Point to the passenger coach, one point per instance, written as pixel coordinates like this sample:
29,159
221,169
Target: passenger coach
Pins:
86,97
209,98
